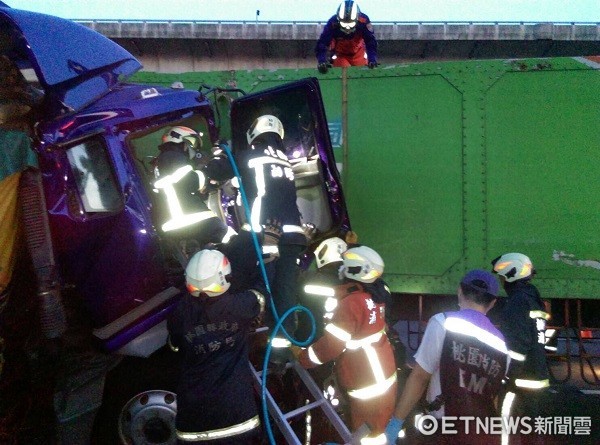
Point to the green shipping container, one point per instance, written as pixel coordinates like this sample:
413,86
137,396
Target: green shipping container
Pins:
448,165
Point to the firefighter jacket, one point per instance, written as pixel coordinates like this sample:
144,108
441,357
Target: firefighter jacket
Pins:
472,365
215,397
523,323
318,295
268,182
356,338
180,185
348,46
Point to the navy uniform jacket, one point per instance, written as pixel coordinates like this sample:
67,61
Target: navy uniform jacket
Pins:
472,366
347,44
215,389
264,168
317,287
522,323
204,226
168,161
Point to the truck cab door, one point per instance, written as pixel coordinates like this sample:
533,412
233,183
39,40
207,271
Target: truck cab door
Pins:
300,108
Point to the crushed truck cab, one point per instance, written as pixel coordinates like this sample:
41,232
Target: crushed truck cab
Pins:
96,136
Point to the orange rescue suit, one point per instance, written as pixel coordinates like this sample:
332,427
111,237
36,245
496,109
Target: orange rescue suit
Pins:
365,365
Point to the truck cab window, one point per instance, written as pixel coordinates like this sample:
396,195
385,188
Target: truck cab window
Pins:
94,178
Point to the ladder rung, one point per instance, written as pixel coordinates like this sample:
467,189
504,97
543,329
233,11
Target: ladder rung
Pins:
320,402
304,408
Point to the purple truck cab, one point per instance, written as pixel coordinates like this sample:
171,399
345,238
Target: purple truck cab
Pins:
95,136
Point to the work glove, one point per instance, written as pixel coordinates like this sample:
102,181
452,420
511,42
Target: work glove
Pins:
272,232
392,429
373,65
351,237
309,230
295,350
323,67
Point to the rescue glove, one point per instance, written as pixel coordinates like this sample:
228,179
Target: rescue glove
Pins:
323,67
309,230
392,429
373,65
295,350
272,233
351,237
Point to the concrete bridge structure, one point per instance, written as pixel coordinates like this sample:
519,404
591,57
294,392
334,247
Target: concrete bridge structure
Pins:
175,46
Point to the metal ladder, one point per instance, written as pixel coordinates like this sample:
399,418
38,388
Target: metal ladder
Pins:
281,419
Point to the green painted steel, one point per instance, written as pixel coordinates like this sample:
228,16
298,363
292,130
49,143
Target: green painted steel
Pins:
447,165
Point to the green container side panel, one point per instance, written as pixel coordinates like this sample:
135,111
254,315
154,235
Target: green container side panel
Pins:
403,180
450,164
543,151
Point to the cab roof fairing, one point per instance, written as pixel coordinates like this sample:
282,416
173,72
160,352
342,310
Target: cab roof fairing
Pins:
124,107
72,74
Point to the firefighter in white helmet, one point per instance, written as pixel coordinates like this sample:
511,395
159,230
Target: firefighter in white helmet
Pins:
318,286
356,339
522,320
209,327
349,38
181,185
268,180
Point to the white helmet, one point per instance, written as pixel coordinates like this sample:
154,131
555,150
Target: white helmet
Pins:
362,264
347,15
187,135
264,124
513,266
329,251
208,272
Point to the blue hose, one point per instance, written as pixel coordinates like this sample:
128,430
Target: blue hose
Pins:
279,321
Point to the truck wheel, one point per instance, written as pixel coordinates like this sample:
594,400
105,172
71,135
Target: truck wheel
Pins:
149,418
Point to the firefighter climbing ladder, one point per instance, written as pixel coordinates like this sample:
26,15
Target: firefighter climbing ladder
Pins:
320,402
281,419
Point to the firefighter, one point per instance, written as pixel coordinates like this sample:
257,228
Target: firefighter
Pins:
461,361
523,323
356,339
349,36
318,290
268,181
181,184
209,327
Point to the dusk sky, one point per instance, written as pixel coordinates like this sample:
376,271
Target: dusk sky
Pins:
319,10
